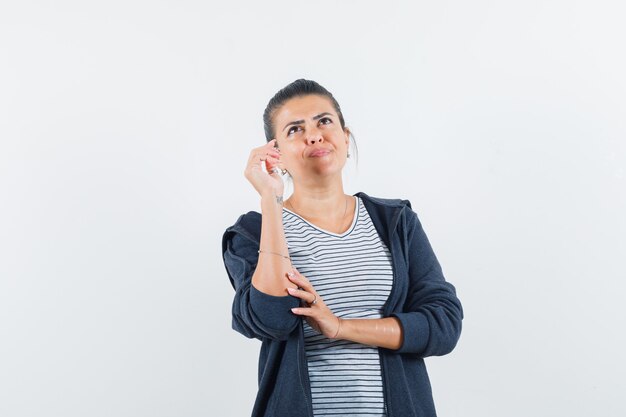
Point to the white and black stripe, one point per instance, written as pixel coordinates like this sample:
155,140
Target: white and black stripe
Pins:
352,273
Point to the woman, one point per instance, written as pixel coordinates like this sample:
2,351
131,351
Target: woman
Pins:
344,292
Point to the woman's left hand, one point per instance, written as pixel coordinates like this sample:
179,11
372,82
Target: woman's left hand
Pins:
317,314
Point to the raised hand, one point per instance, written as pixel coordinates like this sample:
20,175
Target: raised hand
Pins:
268,180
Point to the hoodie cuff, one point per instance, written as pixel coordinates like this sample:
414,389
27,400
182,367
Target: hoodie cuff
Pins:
273,311
415,332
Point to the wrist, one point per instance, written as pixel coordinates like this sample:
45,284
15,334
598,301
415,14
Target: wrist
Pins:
272,203
337,335
273,195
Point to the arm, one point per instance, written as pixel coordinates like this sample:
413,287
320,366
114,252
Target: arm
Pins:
269,276
432,314
385,332
259,310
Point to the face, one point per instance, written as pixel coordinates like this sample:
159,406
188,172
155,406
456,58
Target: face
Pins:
309,135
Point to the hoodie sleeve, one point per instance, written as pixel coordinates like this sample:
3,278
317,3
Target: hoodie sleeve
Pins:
432,314
255,314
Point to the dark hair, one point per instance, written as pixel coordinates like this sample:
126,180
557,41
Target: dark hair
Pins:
298,88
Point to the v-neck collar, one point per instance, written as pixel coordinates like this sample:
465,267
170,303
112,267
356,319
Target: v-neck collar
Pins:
347,232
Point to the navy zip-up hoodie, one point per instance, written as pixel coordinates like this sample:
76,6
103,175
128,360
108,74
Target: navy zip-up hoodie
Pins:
425,304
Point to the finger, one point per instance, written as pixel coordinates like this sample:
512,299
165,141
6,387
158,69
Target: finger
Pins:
272,159
270,149
273,144
304,311
299,274
269,146
275,172
302,277
296,278
263,155
303,295
263,148
271,166
259,160
267,156
261,152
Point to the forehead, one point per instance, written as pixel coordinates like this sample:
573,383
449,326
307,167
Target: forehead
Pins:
304,107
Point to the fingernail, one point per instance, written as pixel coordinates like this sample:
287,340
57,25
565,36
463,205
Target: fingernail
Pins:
290,274
290,290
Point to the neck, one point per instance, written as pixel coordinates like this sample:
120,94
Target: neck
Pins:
318,202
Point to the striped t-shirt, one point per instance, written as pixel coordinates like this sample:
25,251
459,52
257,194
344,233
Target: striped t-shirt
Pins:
352,273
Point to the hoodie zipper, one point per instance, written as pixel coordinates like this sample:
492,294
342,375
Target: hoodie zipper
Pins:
383,357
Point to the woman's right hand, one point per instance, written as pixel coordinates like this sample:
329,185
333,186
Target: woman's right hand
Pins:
265,181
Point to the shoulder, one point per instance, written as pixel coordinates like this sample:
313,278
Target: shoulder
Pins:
249,222
384,202
246,231
388,213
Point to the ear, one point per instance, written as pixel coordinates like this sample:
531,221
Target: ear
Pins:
347,133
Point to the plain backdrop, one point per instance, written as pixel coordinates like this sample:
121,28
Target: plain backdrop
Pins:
125,127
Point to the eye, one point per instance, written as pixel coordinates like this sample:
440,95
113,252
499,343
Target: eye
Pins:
291,130
326,120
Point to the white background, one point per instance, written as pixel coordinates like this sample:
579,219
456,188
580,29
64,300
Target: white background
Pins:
125,127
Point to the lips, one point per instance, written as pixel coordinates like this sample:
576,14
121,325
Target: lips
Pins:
319,152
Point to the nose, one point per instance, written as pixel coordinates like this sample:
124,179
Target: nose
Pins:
314,136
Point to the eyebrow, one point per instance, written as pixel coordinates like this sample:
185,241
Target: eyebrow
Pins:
297,122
